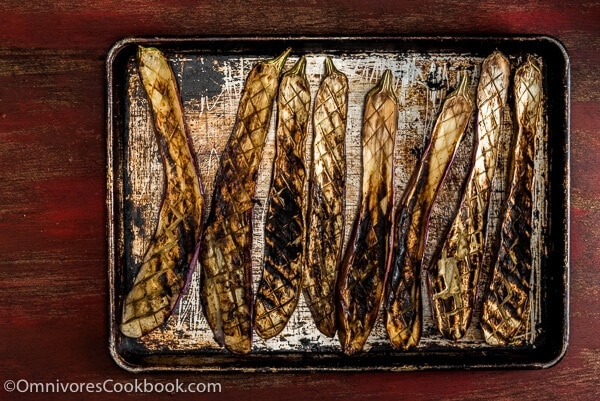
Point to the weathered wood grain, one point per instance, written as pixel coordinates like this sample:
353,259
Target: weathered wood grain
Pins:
53,285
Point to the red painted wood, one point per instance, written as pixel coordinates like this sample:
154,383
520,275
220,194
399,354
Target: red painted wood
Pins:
53,265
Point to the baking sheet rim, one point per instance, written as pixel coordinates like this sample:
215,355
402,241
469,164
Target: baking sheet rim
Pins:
197,41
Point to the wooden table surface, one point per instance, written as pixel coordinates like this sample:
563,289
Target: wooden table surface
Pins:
53,265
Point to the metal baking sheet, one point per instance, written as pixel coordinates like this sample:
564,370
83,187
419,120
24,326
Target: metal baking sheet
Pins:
211,73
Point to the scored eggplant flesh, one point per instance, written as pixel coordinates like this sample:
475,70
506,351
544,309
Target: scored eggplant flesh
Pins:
327,191
506,307
455,269
361,280
403,313
225,251
280,285
165,268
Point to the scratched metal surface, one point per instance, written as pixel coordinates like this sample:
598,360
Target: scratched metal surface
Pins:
211,87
